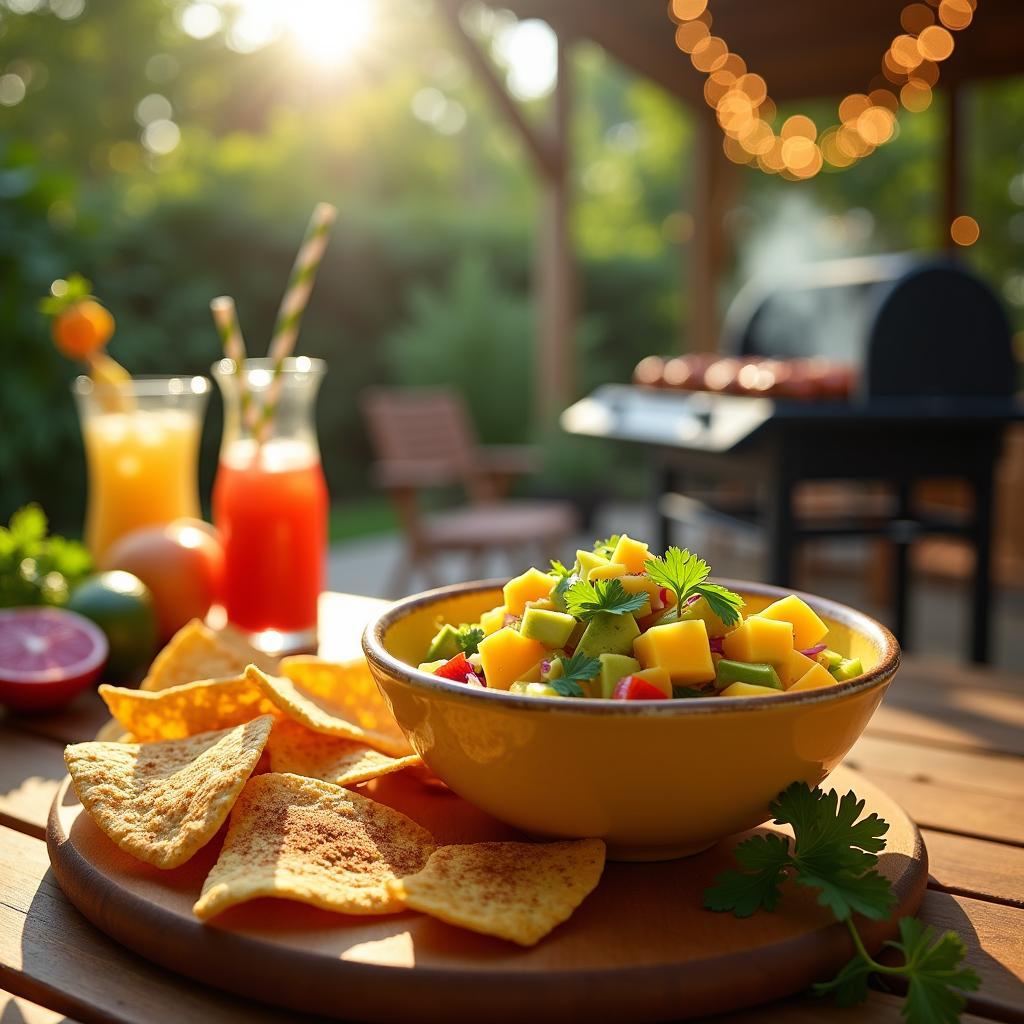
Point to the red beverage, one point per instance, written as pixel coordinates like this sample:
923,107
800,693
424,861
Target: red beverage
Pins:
270,506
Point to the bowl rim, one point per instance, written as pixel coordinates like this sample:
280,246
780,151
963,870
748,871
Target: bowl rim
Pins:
378,656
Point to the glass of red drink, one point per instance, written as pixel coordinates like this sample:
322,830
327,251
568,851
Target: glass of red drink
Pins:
270,501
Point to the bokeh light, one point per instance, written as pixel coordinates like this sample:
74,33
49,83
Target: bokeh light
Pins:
964,230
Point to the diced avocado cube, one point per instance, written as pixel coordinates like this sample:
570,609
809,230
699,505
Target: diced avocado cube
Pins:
609,634
848,668
552,629
613,668
587,560
445,644
741,672
557,670
832,659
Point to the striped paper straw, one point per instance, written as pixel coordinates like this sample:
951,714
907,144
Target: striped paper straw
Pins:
225,316
296,296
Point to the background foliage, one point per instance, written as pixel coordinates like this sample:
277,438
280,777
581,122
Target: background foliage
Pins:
427,277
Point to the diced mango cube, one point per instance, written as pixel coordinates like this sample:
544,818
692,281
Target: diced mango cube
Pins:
631,553
795,666
608,571
492,621
658,677
531,586
681,648
702,610
808,629
507,656
588,560
748,690
813,679
643,585
759,640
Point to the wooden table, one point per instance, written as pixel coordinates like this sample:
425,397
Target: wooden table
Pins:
948,743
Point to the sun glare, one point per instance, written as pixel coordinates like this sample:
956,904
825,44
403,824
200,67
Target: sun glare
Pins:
326,32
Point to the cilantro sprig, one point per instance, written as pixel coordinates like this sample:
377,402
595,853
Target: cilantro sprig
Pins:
685,574
606,548
575,670
567,576
36,568
586,598
468,639
835,852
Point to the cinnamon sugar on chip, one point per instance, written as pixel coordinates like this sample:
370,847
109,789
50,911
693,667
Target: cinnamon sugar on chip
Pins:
335,700
294,748
162,802
516,891
305,840
198,652
185,710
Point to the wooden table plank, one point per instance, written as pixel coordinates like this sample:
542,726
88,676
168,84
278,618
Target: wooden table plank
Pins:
924,674
952,809
51,955
15,1010
924,762
31,769
79,721
994,936
975,867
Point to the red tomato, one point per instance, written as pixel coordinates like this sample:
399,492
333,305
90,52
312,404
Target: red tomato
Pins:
456,669
181,563
631,688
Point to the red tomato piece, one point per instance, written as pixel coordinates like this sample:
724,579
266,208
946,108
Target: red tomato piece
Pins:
455,669
631,688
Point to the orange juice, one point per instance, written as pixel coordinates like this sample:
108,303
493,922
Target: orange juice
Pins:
142,454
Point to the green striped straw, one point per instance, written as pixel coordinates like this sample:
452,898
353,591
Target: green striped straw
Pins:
293,304
225,316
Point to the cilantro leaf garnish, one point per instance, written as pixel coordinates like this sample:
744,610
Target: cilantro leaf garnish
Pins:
585,599
606,548
685,574
575,670
566,576
468,638
835,851
579,668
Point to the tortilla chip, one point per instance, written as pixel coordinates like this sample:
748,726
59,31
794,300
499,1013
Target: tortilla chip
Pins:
197,652
516,891
306,840
327,708
185,710
294,748
162,802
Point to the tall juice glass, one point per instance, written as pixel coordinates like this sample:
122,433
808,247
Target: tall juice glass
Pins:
270,504
142,453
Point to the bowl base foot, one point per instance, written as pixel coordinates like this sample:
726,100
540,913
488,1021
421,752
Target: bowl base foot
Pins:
652,853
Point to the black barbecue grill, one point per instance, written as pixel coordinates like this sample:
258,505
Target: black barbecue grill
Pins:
935,382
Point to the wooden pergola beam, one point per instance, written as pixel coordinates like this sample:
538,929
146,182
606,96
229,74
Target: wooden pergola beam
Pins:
554,284
544,151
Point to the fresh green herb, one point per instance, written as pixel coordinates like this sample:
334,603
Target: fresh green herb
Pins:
685,574
686,691
72,290
606,548
566,576
566,687
836,853
575,670
586,598
468,638
36,569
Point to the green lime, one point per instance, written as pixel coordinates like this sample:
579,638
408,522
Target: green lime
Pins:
121,605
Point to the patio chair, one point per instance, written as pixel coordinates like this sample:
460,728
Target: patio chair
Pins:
423,439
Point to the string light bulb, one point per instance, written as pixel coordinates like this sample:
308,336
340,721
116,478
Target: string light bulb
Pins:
799,150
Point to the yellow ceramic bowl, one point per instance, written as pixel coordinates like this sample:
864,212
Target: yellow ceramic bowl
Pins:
654,779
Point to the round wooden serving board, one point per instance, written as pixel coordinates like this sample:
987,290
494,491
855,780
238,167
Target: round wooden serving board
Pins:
639,948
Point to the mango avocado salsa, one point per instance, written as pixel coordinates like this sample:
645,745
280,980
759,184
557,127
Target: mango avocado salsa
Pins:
623,624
